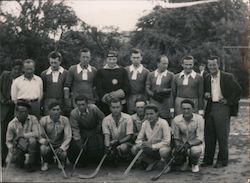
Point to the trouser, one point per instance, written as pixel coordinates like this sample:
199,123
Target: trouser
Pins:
217,127
121,152
48,155
7,114
23,146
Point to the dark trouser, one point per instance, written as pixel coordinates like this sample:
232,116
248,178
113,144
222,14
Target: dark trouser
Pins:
217,127
7,114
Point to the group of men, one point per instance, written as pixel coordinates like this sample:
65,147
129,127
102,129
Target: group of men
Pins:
115,110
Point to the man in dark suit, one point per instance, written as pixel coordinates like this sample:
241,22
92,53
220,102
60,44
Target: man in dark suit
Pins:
223,93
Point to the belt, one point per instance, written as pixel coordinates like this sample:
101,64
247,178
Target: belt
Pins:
29,100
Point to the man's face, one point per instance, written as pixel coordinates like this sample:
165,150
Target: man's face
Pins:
163,65
82,105
85,58
213,66
201,67
111,61
187,110
188,66
54,63
151,115
55,112
17,70
140,108
115,108
29,68
22,113
136,59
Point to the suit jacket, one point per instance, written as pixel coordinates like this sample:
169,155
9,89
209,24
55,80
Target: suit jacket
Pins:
230,90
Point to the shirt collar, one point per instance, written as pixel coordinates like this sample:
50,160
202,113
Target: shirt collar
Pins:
87,111
51,121
60,70
33,78
79,68
133,68
192,119
107,67
192,74
217,76
163,73
28,118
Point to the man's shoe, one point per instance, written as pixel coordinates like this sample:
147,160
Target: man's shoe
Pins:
44,167
184,166
59,166
219,165
204,164
195,168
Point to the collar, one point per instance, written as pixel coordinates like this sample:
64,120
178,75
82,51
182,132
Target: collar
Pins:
33,78
158,73
107,67
87,111
60,70
217,76
79,68
192,74
51,121
183,119
28,118
133,68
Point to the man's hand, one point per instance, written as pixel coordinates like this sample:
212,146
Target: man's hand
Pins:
183,148
44,141
207,95
20,133
79,144
107,150
223,101
114,143
106,98
59,151
11,150
146,145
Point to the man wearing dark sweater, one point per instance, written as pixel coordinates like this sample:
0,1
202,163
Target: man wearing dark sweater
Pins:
111,82
53,80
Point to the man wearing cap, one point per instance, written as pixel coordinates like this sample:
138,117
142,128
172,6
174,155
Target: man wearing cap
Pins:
28,88
59,134
22,138
53,81
137,75
86,123
80,78
188,130
187,85
112,82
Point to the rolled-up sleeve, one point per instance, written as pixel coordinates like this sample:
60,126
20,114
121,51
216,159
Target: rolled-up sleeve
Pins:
10,135
165,137
35,128
129,127
141,135
14,91
200,129
105,128
74,126
67,135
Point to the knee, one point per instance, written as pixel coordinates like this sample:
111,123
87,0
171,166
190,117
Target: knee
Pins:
62,155
164,151
123,148
44,149
196,151
32,141
135,149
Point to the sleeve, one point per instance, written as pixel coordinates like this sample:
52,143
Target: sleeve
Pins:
105,128
98,84
43,77
200,93
148,85
173,93
126,84
35,129
141,135
1,86
165,139
10,135
69,78
176,132
67,135
41,89
14,91
100,117
129,127
200,129
74,126
236,91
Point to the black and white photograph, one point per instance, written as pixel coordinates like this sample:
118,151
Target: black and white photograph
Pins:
131,91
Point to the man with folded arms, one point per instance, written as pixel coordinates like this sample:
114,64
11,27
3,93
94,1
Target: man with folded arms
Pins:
58,131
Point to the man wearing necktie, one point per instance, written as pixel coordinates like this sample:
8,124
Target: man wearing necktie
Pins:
80,78
137,75
158,87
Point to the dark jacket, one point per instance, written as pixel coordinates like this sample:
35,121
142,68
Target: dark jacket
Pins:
230,90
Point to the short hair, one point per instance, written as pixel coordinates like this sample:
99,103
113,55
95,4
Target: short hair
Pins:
136,51
17,62
81,98
53,104
55,54
23,104
187,57
202,64
151,106
115,100
160,57
141,99
112,53
187,101
84,50
28,61
212,57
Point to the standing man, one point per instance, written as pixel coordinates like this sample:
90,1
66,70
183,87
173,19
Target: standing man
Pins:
86,122
80,78
112,82
7,107
223,94
28,88
188,128
202,70
53,81
22,137
187,85
58,130
117,128
153,139
137,75
158,87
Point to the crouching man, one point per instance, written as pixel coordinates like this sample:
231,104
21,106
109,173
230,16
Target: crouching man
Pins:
188,131
118,131
22,138
153,139
55,129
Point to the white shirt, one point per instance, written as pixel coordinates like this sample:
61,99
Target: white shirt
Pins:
23,88
215,88
186,76
55,74
84,71
135,71
159,76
